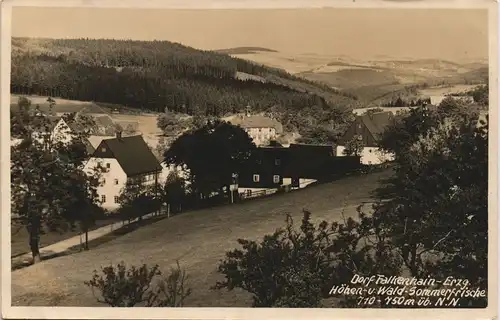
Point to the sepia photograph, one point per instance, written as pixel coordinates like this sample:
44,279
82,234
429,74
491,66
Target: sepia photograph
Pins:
249,158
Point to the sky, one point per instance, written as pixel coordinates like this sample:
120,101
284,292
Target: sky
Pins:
450,34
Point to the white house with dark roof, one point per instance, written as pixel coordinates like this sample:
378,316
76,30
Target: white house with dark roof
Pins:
125,159
64,131
260,128
368,128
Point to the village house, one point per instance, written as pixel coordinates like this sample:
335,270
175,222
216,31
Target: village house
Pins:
294,167
58,131
263,171
368,129
65,131
260,128
125,159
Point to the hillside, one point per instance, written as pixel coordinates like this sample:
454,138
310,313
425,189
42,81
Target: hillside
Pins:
198,239
158,74
373,81
244,50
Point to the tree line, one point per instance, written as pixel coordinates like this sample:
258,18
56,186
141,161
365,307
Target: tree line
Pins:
400,102
152,75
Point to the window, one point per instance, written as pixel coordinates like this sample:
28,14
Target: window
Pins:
116,199
103,198
116,181
256,178
260,129
277,162
103,181
108,165
103,149
276,178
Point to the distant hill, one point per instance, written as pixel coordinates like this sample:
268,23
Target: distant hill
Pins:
244,50
158,74
373,81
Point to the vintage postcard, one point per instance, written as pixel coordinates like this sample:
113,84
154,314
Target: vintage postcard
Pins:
249,159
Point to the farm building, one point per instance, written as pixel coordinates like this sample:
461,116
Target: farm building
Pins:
125,159
105,126
261,129
64,132
368,129
295,166
264,170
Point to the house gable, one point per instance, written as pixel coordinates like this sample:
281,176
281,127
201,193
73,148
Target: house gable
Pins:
358,128
103,151
267,164
132,153
369,127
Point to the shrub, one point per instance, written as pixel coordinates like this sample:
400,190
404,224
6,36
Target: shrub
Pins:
297,268
120,286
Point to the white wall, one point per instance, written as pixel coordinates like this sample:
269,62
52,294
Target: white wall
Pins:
302,182
255,191
305,182
261,136
369,155
61,133
108,187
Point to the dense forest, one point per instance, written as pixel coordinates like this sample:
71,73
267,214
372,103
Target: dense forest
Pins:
158,74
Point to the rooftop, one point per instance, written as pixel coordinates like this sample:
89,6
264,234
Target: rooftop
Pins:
256,121
132,153
376,123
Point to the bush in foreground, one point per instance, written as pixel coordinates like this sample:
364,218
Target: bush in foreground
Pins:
119,286
296,268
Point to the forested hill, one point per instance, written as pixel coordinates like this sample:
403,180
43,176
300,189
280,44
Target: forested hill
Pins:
158,74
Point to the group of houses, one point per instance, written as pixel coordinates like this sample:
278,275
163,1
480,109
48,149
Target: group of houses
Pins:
367,128
272,165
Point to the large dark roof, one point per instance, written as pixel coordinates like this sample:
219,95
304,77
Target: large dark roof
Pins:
133,154
376,123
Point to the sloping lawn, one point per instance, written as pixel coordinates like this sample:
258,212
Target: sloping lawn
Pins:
198,239
19,236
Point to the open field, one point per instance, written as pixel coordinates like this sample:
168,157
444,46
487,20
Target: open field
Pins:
198,239
146,125
373,81
441,91
43,100
146,122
